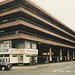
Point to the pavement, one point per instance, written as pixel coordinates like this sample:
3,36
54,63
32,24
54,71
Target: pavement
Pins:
40,65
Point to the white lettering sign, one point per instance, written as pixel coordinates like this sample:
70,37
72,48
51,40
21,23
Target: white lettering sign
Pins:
31,51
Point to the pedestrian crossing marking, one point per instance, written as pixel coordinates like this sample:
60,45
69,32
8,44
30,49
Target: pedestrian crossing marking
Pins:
53,71
68,71
73,71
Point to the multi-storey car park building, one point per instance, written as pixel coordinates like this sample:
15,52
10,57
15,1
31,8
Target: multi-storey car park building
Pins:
28,32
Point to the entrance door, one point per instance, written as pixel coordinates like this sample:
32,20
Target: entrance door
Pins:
20,58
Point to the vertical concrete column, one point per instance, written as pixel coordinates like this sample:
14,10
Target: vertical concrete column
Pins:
10,58
10,44
50,54
60,54
73,55
68,55
24,58
10,55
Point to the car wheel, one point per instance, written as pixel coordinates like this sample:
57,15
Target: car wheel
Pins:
3,68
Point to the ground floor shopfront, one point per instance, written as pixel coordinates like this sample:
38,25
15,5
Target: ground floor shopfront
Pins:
28,52
19,56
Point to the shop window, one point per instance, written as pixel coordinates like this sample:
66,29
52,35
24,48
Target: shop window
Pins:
1,55
28,44
33,45
27,55
14,55
6,55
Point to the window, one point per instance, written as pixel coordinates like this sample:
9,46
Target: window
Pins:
14,55
27,55
6,55
1,55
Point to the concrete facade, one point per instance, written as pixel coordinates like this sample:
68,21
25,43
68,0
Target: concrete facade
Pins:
24,20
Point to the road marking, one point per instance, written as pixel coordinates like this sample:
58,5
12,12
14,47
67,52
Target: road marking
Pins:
68,66
61,68
73,71
68,71
53,71
57,69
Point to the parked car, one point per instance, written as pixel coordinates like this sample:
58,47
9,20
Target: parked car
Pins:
4,65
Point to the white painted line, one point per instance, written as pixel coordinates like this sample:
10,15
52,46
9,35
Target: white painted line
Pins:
57,69
68,71
54,71
73,71
68,66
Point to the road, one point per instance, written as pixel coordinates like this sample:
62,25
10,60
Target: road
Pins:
67,68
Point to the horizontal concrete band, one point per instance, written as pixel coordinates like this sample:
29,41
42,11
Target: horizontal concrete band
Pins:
28,12
35,39
34,27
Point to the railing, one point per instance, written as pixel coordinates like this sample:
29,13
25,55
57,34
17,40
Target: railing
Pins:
20,5
36,14
23,19
20,32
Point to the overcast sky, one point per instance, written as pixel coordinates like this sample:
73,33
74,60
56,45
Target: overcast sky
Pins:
63,10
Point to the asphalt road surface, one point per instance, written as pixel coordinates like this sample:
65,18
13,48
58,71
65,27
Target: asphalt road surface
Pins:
67,68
